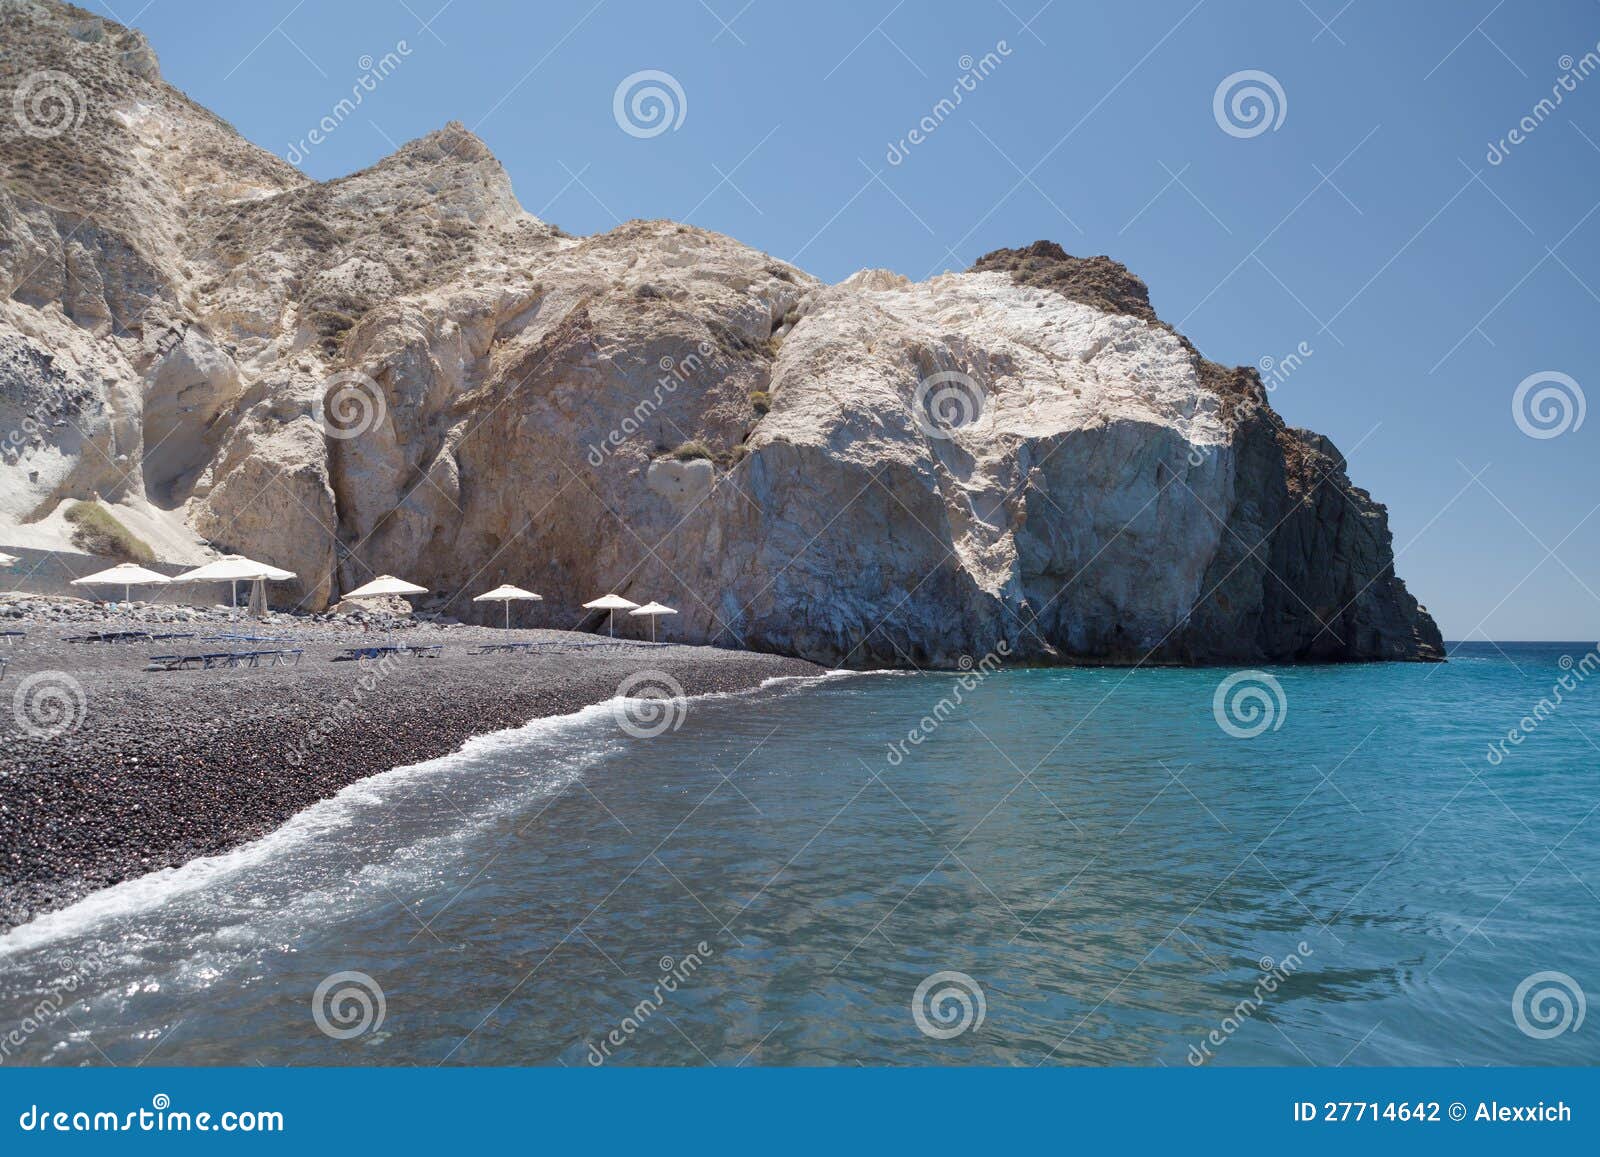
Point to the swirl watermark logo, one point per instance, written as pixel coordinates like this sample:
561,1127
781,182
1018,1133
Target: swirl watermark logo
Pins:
1247,703
650,703
948,1004
1547,1004
351,404
1248,103
1548,404
348,1004
648,103
946,402
48,704
48,103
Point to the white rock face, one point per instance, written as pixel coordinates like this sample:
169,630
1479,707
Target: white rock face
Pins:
1075,424
403,372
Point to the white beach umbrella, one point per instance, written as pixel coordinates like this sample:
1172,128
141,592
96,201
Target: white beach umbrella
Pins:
126,575
507,594
8,559
385,584
611,604
652,611
232,569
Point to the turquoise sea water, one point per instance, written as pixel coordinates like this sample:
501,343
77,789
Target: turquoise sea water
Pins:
1116,877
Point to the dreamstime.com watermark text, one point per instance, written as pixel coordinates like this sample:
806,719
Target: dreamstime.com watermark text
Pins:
674,974
1573,73
1273,975
44,1010
343,712
674,372
1575,672
972,73
1274,372
373,73
160,1117
972,675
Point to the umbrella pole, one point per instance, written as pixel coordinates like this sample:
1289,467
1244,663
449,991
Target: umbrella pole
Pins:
507,604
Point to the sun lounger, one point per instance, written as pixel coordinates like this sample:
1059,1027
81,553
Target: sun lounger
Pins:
357,654
562,646
129,637
218,659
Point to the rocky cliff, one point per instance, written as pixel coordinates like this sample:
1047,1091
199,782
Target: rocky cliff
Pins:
402,371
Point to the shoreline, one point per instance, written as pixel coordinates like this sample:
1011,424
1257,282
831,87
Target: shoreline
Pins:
164,768
135,894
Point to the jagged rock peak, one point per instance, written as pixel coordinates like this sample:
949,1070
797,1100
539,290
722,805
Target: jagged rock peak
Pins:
452,142
1099,282
127,47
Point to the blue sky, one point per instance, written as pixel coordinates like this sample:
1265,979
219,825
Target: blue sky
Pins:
1367,224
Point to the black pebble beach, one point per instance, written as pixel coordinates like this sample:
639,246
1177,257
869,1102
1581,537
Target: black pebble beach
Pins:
166,766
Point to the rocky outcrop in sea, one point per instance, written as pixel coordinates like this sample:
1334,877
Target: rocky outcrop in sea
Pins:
402,371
